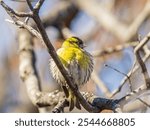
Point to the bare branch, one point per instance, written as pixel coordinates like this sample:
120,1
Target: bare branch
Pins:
103,103
142,43
38,5
21,24
110,50
138,93
145,103
28,74
144,69
29,4
11,12
122,74
60,106
141,62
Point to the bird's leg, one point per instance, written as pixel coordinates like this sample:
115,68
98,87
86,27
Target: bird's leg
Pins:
76,100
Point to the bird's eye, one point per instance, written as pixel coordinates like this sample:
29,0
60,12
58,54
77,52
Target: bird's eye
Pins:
80,42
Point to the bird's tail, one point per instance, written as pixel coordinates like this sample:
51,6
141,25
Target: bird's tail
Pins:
72,99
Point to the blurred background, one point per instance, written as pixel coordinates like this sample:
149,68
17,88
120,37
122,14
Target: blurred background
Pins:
108,28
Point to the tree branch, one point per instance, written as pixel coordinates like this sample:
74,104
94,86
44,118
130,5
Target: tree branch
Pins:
141,62
28,73
29,4
10,11
38,5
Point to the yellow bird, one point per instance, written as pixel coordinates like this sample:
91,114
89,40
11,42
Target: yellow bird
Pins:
77,62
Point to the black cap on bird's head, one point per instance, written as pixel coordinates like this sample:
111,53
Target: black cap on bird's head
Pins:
77,41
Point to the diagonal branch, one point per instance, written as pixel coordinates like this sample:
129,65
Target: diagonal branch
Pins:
28,72
38,5
11,11
23,25
141,62
144,69
29,4
145,103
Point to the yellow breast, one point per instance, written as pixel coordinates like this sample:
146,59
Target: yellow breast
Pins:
69,54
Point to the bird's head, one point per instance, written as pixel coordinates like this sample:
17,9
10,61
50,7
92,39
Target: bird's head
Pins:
73,42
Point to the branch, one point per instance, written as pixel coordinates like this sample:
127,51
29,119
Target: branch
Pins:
138,93
100,103
38,5
28,73
29,4
60,106
23,25
10,11
124,74
141,62
144,69
145,103
110,50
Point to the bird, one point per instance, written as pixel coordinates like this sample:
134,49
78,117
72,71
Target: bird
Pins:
79,65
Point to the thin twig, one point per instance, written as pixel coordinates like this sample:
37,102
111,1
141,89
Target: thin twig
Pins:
21,24
138,93
11,11
122,74
145,103
110,50
144,69
141,62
